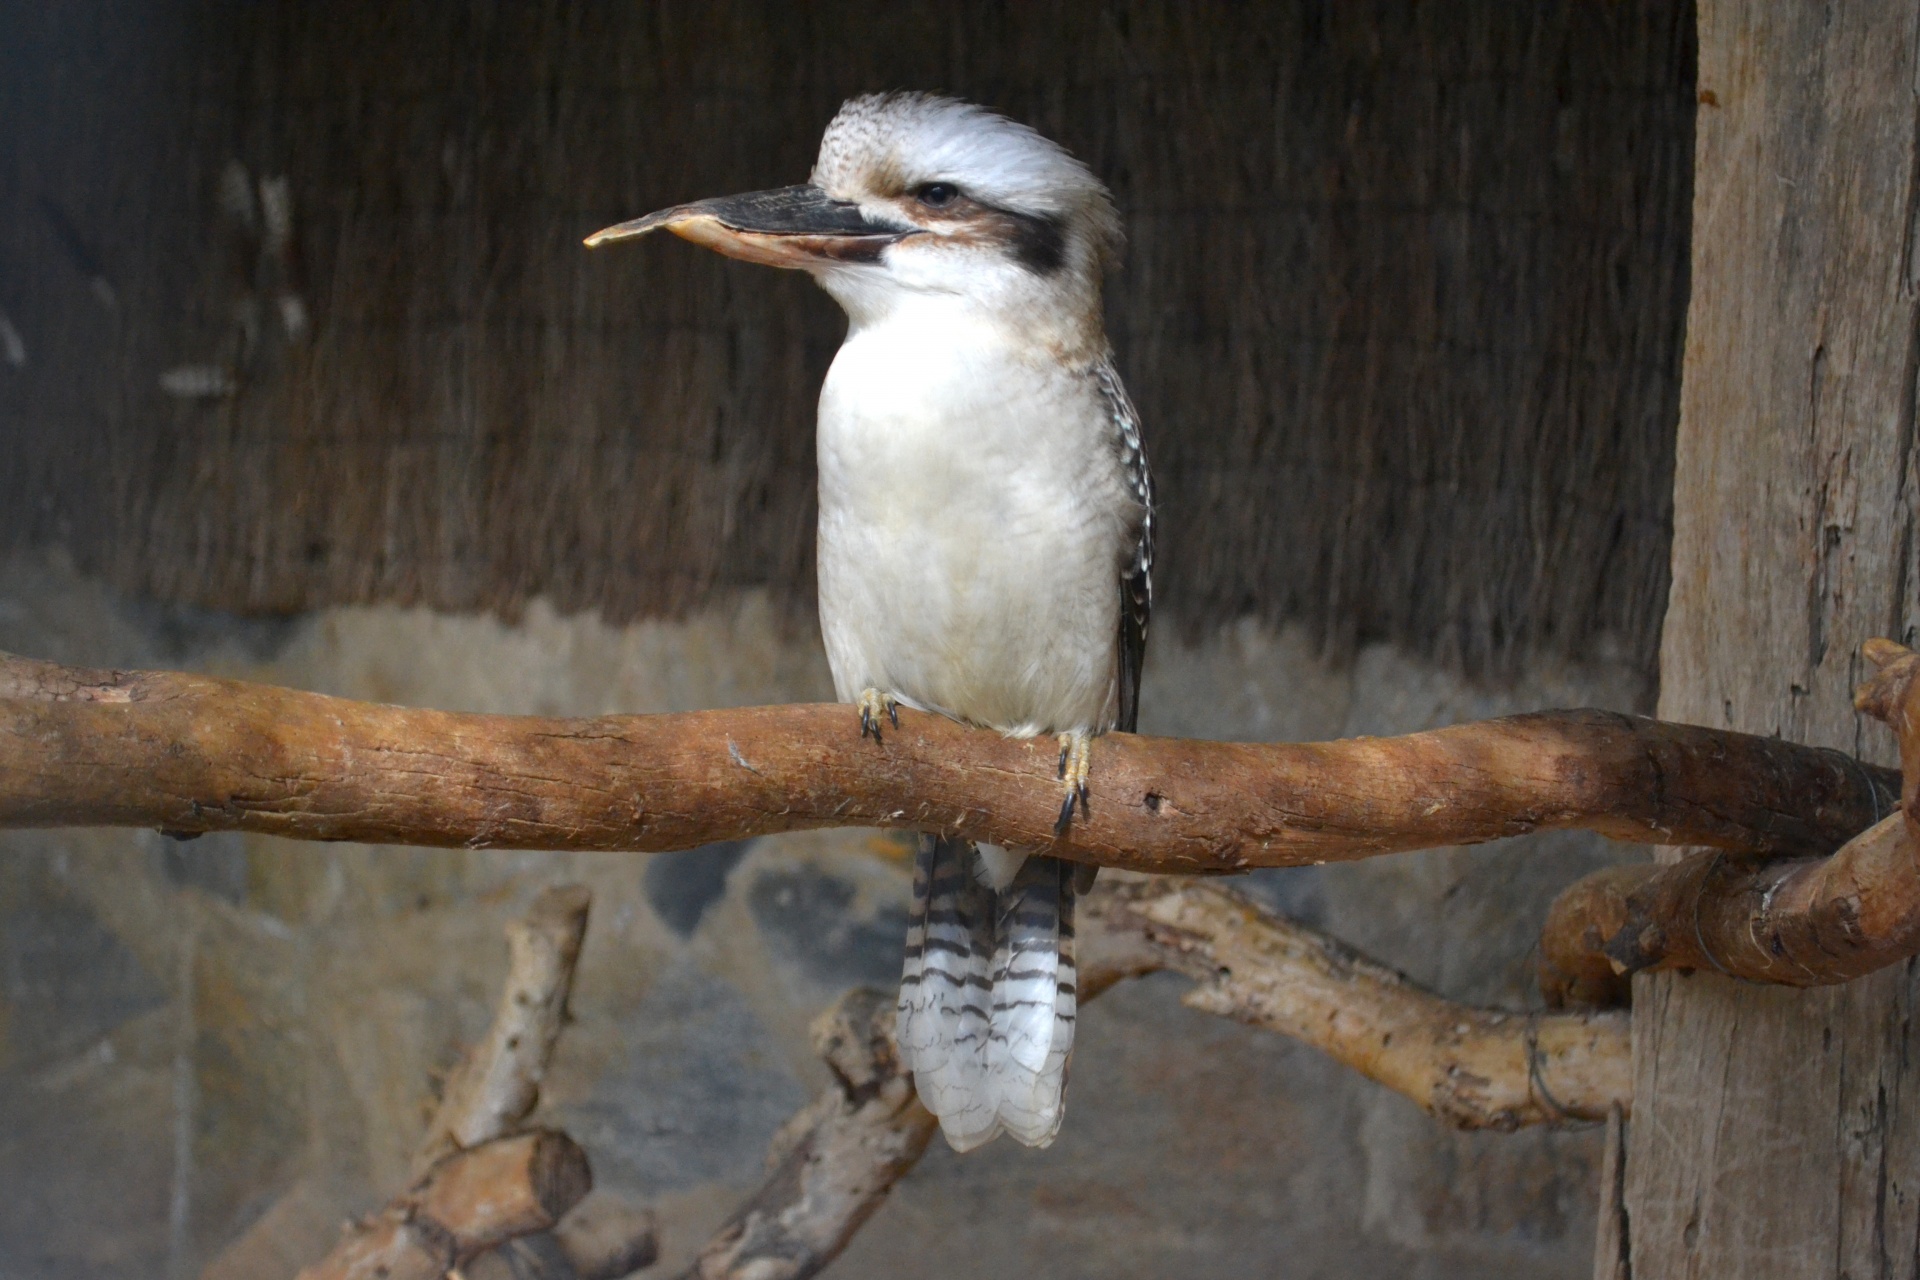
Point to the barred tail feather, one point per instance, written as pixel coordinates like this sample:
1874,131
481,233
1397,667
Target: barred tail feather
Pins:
1034,1002
946,992
987,1004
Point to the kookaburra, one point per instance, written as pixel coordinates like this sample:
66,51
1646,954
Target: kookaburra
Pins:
986,530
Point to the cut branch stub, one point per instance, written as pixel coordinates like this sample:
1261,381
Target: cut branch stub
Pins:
192,753
468,1203
1799,922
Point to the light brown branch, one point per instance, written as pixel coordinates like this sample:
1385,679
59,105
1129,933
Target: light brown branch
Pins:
1471,1068
497,1085
836,1160
1800,922
468,1203
191,753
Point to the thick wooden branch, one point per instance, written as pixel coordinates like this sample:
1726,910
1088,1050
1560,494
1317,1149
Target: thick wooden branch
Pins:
1798,922
468,1203
835,1161
191,753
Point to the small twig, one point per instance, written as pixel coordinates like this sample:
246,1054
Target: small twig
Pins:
835,1161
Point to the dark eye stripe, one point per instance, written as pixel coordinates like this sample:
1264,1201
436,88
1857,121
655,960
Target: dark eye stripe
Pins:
1039,243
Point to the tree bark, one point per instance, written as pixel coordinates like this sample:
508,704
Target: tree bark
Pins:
1776,1132
190,753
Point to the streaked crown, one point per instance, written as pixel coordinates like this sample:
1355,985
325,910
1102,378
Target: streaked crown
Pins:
931,159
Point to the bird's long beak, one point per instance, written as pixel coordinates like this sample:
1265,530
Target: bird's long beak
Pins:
789,227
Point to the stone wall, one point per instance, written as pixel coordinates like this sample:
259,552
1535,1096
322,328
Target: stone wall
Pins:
231,1043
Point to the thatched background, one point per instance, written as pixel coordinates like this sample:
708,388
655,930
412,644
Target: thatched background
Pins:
1402,309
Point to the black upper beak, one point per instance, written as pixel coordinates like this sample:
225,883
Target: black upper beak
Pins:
788,227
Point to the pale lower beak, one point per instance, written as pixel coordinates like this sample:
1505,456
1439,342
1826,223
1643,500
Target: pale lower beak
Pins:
789,227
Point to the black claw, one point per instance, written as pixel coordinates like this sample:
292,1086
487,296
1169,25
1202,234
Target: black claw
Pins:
1086,810
1066,817
867,725
893,713
1063,759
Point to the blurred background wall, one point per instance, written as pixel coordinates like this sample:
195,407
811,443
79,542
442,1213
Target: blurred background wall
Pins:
304,377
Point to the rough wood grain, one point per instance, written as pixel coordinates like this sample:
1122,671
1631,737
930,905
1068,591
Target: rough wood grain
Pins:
476,1185
830,1166
1777,1132
191,753
1610,1244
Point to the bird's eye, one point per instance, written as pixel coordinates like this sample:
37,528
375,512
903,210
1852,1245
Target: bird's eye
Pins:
936,194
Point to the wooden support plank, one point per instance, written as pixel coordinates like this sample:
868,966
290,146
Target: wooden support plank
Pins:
1777,1132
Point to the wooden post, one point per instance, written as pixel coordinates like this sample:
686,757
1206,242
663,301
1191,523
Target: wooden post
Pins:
1777,1132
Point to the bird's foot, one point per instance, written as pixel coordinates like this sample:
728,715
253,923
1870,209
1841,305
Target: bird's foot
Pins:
874,707
1076,758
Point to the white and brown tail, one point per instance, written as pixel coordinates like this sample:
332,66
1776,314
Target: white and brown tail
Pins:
987,1001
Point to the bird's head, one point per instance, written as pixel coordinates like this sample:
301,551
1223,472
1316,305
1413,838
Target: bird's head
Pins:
916,197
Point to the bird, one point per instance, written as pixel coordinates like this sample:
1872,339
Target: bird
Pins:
985,538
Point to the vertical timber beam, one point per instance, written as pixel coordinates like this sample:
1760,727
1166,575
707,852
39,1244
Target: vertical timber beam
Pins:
1776,1132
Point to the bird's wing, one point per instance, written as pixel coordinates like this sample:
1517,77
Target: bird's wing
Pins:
1136,578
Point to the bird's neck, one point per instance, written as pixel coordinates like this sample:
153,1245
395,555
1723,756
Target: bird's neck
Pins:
1061,323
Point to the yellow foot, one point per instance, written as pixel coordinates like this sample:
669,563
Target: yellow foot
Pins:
1076,757
875,705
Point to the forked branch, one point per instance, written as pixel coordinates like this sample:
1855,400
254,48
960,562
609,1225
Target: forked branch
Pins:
1799,922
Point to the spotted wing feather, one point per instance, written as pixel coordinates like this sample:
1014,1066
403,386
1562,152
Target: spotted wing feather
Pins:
1136,577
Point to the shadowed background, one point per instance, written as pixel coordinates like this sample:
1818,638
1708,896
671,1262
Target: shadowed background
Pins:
1401,311
304,377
